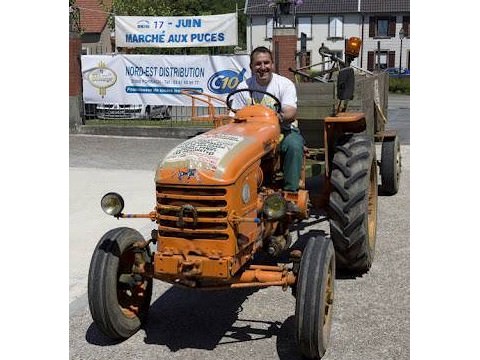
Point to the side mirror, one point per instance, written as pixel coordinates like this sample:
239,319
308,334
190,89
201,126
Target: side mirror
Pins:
345,84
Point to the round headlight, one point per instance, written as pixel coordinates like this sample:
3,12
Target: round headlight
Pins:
112,204
246,193
274,207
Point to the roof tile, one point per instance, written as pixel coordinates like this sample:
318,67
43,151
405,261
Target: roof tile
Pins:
93,17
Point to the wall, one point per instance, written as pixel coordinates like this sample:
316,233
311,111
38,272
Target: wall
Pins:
75,81
391,44
97,44
256,36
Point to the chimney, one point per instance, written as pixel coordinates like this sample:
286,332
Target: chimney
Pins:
284,50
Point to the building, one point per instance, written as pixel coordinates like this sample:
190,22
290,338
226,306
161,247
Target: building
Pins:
95,33
378,23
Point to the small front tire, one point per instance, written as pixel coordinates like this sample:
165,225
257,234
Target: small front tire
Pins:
118,307
315,293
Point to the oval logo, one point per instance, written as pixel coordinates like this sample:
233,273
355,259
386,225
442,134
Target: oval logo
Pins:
101,77
225,81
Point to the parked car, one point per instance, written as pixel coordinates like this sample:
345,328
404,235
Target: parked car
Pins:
133,111
396,73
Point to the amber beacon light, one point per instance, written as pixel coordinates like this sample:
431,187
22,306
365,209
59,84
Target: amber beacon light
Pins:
353,46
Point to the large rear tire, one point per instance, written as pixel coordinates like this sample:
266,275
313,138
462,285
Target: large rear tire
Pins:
118,304
314,300
353,204
390,166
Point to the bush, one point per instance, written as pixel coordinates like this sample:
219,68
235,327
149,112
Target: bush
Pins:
401,85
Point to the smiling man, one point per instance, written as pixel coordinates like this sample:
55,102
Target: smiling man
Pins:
264,79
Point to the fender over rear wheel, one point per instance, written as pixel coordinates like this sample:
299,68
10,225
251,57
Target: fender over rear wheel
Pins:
353,204
314,298
118,302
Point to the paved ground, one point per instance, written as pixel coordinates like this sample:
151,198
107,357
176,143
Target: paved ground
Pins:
371,316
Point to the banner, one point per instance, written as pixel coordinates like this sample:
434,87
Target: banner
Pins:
176,31
158,79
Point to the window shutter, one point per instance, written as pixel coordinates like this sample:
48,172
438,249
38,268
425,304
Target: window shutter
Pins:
269,28
371,27
406,25
391,26
391,59
370,61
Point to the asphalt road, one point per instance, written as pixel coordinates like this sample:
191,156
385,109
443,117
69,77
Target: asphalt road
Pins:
371,314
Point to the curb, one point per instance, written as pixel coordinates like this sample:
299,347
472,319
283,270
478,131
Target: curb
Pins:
178,133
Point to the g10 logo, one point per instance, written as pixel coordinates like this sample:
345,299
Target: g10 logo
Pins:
225,81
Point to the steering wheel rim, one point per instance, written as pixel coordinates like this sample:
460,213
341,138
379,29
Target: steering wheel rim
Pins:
277,105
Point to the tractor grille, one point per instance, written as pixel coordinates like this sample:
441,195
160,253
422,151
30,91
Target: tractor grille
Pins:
192,213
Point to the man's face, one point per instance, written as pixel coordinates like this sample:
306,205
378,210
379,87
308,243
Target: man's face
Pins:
262,67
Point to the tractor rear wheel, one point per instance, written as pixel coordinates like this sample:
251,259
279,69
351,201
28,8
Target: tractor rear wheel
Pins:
118,301
315,293
390,166
353,203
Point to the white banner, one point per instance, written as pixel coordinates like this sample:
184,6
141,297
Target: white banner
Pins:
176,31
158,79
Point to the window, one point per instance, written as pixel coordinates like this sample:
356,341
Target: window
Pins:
387,60
269,32
382,26
304,24
335,27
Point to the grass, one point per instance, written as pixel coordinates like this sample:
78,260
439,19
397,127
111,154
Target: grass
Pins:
400,85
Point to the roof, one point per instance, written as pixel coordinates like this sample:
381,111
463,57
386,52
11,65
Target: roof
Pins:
390,6
93,17
260,7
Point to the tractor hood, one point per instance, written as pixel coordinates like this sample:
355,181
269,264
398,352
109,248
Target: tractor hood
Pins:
219,156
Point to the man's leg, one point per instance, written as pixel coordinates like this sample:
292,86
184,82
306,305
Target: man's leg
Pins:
292,151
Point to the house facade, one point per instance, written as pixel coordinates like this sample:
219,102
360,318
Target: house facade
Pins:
95,33
382,25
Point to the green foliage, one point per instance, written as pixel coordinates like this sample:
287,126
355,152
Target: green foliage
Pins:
74,16
400,85
180,8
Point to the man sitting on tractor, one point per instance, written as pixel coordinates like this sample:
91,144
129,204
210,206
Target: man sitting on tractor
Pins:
264,79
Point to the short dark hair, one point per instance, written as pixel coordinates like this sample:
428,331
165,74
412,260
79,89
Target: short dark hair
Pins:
260,49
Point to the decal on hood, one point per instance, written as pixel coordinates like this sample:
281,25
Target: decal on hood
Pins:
204,151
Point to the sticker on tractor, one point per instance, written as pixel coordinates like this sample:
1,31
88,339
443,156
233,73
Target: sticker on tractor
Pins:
188,173
204,151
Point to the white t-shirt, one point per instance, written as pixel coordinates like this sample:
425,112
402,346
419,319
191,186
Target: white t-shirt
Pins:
279,86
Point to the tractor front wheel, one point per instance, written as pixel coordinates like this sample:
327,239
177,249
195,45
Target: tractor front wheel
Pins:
118,299
315,293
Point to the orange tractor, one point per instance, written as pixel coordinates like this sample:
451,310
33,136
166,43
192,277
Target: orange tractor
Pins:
220,205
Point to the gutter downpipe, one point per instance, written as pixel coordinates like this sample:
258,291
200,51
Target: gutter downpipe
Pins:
359,9
250,21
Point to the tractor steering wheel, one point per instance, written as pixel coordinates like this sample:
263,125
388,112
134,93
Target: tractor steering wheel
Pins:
277,105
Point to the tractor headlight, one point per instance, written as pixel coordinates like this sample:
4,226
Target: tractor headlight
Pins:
274,207
112,204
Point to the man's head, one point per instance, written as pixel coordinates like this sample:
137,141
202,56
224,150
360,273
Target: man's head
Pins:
261,65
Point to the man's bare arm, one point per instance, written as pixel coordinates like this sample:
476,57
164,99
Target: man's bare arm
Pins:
289,113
